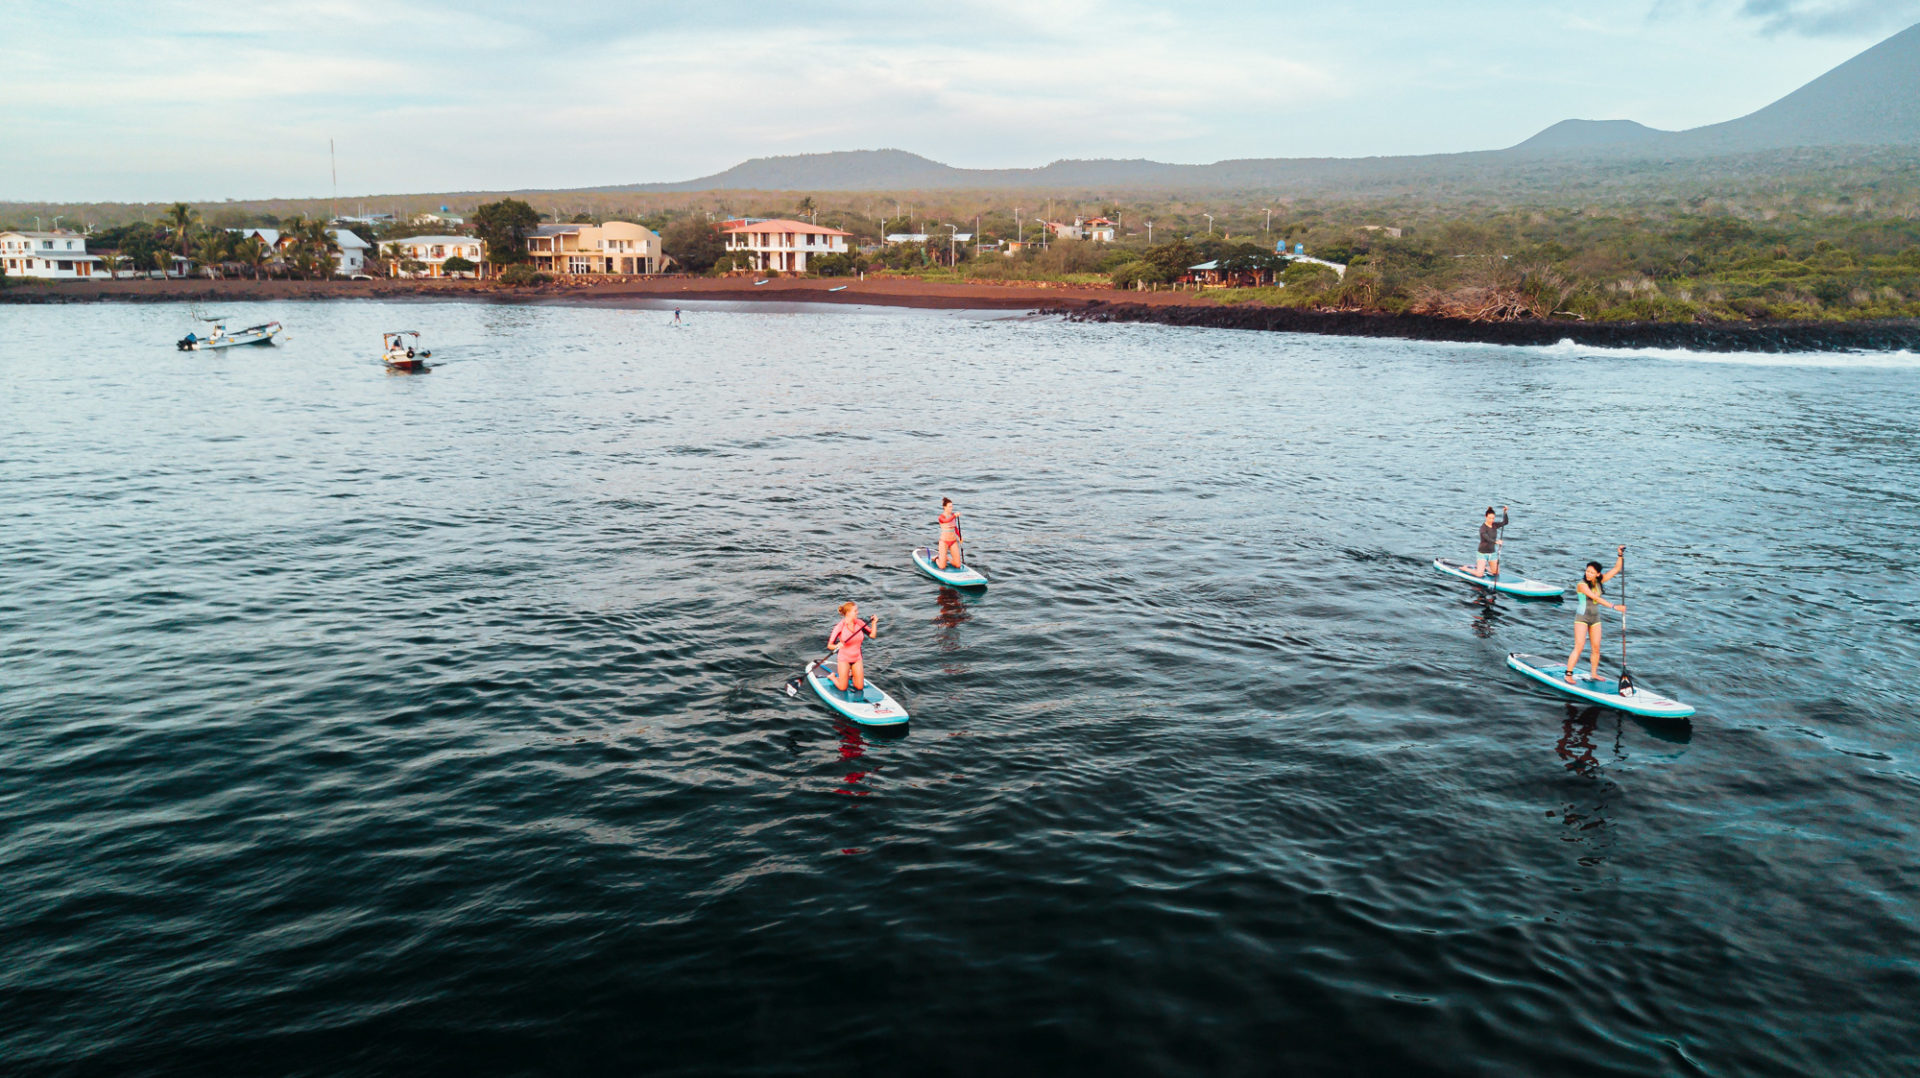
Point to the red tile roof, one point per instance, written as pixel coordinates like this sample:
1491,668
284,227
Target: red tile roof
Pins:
786,226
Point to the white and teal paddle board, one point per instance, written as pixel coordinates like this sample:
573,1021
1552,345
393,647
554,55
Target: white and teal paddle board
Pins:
963,577
1643,701
870,706
1526,589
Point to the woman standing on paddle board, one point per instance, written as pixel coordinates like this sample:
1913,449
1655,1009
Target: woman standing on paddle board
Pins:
1586,620
949,536
1487,558
844,642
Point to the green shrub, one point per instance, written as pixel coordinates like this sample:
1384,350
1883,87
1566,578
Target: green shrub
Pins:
834,265
1138,273
522,274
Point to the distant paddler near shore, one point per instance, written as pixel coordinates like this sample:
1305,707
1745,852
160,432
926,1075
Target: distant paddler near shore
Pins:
944,561
400,354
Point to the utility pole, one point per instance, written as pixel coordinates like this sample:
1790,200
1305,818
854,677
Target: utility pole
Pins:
1149,233
1019,236
1269,227
952,242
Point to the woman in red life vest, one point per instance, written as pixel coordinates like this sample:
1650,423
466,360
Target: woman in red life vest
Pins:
948,556
844,642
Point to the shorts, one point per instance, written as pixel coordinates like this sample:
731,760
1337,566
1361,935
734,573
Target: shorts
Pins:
1482,559
1589,616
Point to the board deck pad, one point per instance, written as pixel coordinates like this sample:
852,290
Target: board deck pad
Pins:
871,706
963,577
1509,582
1604,690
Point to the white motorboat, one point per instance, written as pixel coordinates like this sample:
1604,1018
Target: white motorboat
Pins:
222,337
401,355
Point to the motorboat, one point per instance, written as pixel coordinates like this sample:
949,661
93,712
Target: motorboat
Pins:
221,337
400,353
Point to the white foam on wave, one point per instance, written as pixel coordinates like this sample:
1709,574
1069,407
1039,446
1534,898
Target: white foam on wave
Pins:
1902,359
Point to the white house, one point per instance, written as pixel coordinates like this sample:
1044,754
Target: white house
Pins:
1097,229
60,256
351,258
432,253
784,246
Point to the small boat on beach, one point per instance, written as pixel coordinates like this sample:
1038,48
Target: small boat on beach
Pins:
222,337
400,355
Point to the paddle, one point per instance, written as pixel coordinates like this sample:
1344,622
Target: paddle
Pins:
1626,679
793,685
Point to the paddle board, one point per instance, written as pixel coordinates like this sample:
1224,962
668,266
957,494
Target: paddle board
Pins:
1526,589
963,577
869,707
1606,693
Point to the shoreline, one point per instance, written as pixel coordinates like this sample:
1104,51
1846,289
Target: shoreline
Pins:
1078,303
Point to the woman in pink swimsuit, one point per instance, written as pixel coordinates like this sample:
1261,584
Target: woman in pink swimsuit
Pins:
948,556
844,642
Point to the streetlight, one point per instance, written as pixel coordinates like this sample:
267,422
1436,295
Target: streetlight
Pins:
1269,227
56,221
1149,233
1209,218
1019,236
953,239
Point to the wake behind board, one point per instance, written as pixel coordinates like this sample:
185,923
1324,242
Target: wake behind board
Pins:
1644,701
1526,589
962,577
869,707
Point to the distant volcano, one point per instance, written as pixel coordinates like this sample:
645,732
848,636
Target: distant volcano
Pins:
1872,100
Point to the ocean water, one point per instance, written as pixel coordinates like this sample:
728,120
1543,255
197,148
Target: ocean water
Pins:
371,724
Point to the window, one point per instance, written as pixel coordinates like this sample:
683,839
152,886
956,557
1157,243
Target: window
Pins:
577,265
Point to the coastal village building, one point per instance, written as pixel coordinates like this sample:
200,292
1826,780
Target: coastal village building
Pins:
784,246
1096,229
580,250
432,253
350,259
60,256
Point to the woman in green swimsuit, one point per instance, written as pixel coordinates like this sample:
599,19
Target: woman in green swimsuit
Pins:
1586,620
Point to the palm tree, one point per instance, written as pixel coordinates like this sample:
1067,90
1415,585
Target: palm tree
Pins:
162,261
110,261
213,250
322,245
807,208
179,222
255,252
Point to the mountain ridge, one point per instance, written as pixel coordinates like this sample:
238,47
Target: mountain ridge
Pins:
1870,100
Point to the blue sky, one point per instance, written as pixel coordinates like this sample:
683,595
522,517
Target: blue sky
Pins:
190,99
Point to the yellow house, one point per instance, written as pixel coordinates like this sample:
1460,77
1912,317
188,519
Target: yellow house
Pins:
578,250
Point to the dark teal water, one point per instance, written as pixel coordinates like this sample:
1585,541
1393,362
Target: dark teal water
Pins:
360,724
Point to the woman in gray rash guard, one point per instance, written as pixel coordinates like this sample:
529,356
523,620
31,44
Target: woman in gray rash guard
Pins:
1487,559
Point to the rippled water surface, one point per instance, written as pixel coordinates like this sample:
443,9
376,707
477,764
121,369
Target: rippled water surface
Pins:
358,723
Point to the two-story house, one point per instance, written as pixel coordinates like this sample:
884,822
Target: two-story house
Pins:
432,252
580,250
60,256
784,246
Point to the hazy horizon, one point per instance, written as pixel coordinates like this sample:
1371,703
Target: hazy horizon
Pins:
185,99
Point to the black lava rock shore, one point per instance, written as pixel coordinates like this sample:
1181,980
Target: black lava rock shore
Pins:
1699,337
